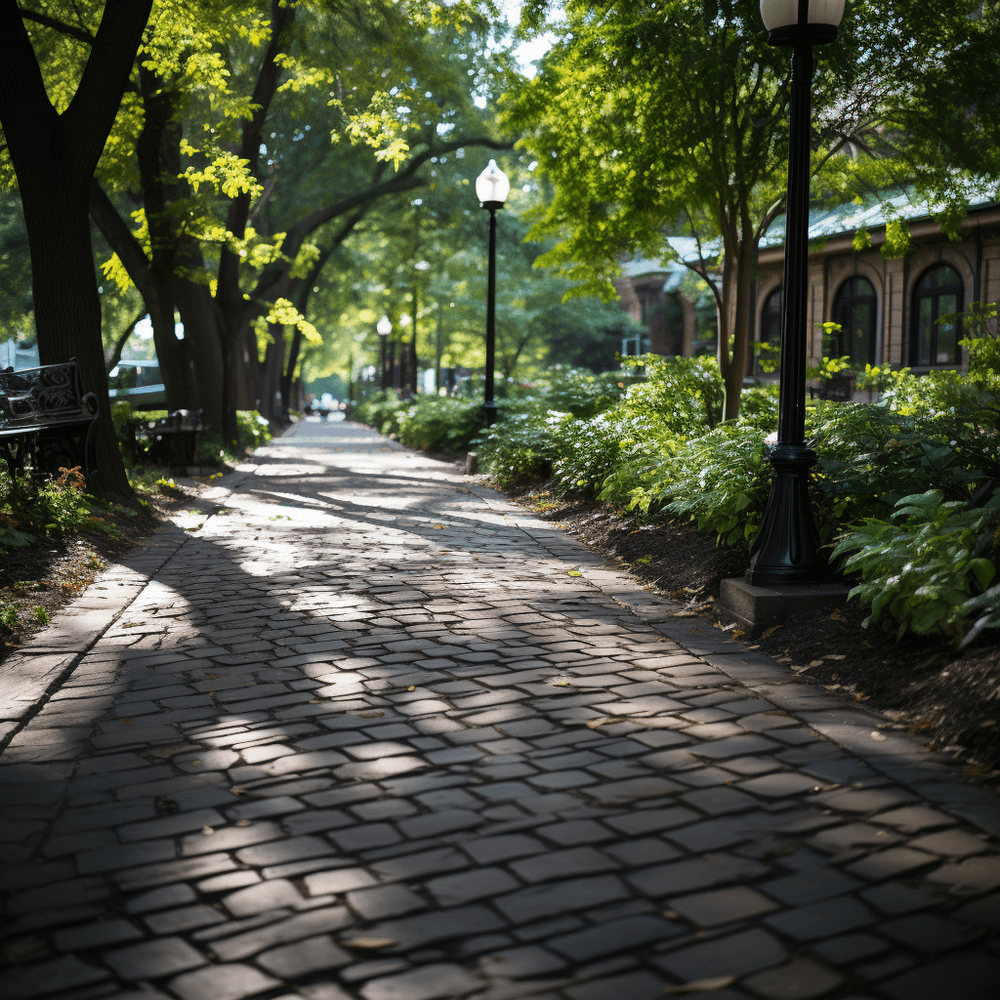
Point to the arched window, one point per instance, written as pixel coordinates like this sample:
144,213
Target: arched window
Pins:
938,293
854,308
770,329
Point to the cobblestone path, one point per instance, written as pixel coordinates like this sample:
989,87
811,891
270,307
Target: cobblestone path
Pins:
368,731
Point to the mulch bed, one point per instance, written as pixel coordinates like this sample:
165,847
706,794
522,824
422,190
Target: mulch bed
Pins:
923,685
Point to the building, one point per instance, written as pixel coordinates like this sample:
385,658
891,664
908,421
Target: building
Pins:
665,298
888,308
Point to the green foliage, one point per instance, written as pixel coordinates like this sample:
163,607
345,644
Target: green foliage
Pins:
523,444
719,479
252,431
682,394
987,607
9,618
30,513
381,411
439,423
925,563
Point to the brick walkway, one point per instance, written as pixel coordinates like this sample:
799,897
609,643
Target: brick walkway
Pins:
368,731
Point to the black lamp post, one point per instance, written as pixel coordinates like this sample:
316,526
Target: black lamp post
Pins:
787,548
492,188
384,328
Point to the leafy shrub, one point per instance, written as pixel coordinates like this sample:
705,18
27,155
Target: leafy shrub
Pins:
721,480
682,394
575,391
522,444
252,431
381,410
60,506
927,564
438,423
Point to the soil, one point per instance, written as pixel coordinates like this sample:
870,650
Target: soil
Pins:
921,684
36,582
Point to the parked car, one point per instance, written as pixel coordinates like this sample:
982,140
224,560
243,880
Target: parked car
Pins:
138,382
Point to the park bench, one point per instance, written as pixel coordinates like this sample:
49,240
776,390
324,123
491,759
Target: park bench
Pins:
172,439
46,420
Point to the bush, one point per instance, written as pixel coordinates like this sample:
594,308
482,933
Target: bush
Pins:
927,565
438,423
30,513
721,480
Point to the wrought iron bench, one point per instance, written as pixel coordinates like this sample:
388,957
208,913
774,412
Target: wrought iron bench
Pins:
172,439
46,420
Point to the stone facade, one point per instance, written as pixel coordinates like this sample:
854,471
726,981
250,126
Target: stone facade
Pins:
937,277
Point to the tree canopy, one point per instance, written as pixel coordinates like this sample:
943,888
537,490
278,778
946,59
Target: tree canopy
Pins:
661,118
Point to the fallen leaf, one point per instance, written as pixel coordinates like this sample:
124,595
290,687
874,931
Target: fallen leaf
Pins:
411,688
573,572
685,614
368,715
243,822
167,805
127,721
739,633
369,943
438,527
561,684
207,831
238,791
700,986
607,720
878,737
768,632
815,663
834,656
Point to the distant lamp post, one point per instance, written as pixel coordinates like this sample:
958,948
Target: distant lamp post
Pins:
787,548
492,188
384,328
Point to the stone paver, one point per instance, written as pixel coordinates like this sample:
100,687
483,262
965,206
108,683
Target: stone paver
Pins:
357,728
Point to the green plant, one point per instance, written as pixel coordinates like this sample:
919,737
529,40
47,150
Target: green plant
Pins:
439,423
987,606
924,564
720,480
41,615
9,618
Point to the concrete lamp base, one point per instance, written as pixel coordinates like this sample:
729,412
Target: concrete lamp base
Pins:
758,608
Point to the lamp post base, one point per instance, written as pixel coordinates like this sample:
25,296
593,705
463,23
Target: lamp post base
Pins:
787,548
490,412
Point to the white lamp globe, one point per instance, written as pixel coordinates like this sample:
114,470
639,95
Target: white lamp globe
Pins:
384,327
821,19
492,186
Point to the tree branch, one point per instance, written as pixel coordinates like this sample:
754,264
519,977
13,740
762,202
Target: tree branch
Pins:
50,22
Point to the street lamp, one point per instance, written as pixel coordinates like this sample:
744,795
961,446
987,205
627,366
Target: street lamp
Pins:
384,328
492,188
787,548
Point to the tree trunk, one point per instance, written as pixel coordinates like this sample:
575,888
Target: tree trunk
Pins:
54,157
274,404
735,320
201,335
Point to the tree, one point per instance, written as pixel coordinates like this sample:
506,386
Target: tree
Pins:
54,150
660,118
267,207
